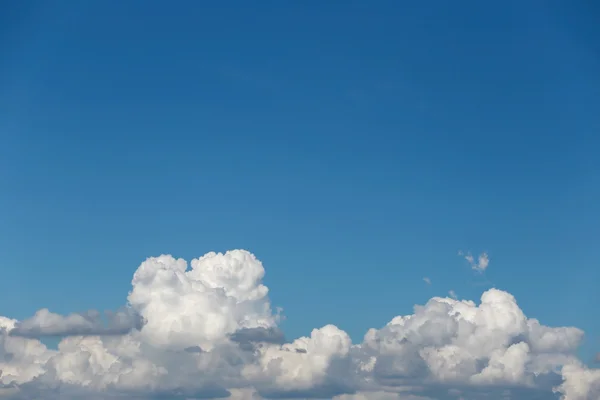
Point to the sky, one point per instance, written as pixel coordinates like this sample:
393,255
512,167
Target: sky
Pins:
366,157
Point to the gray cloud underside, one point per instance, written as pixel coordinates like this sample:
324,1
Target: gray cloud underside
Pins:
45,323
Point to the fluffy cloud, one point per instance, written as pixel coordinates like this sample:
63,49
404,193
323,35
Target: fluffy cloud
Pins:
580,382
200,306
210,331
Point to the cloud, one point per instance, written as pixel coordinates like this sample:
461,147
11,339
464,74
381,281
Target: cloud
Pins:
8,391
210,332
45,323
427,280
193,349
452,294
580,382
379,395
479,265
259,334
219,295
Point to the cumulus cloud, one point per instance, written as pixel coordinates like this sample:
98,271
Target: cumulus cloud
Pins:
202,305
580,382
479,265
210,331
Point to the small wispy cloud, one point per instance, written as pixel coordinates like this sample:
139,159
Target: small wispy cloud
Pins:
452,294
479,265
427,280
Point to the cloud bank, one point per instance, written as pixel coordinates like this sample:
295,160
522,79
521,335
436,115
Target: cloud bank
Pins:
208,330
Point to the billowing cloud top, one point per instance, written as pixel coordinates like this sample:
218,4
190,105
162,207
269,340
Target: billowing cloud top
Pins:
208,330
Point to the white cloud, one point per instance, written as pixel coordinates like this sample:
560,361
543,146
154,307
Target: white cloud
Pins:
202,305
580,382
301,365
210,331
427,280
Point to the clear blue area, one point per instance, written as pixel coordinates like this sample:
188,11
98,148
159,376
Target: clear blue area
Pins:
353,146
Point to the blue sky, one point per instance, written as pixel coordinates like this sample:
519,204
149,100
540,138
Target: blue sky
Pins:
354,148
